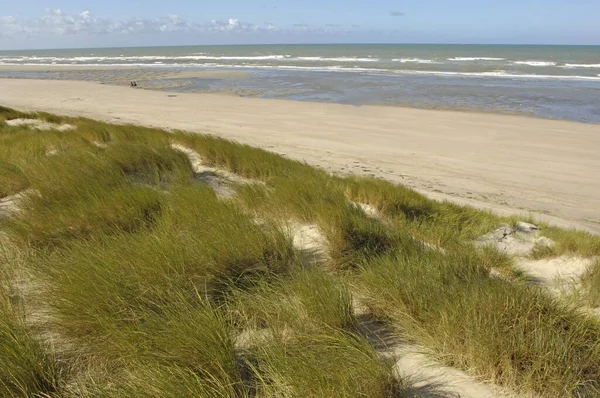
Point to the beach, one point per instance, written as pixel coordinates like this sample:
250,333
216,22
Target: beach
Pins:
509,164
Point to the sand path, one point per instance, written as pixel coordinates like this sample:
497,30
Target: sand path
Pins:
506,163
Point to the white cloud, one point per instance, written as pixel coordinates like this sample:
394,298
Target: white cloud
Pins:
57,28
55,23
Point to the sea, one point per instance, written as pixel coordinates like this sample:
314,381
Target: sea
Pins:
559,82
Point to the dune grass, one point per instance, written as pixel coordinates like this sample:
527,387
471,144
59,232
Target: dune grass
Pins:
299,340
12,179
511,333
569,243
29,367
80,195
591,284
158,287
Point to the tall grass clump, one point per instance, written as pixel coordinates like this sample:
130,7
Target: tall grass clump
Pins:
189,249
152,296
303,301
509,333
201,246
320,200
440,223
12,179
23,144
181,346
298,339
29,368
80,195
326,365
568,242
153,165
243,159
8,114
591,284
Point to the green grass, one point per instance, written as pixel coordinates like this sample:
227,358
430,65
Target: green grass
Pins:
570,243
74,196
439,223
12,179
591,284
300,340
29,367
158,287
511,333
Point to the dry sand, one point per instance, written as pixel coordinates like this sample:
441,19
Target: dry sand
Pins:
546,168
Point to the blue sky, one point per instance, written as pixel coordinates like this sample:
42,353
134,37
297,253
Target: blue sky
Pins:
106,23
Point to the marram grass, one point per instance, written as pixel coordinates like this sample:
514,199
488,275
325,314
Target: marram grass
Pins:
158,287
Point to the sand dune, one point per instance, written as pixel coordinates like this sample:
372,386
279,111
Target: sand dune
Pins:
547,168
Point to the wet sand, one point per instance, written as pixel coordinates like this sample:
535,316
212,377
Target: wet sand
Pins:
153,78
510,164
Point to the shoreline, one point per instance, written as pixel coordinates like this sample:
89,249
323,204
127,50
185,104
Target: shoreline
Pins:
506,163
159,73
176,80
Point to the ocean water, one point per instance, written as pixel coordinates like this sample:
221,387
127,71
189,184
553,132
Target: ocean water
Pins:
545,81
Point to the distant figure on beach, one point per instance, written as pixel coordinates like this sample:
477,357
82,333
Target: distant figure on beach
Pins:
133,84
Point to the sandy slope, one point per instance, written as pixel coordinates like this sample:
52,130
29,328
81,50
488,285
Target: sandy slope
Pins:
506,163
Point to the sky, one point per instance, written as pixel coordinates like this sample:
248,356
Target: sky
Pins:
44,24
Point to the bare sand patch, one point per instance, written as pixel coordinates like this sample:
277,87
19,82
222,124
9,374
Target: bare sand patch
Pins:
429,378
220,180
39,124
560,274
370,211
309,240
519,240
10,204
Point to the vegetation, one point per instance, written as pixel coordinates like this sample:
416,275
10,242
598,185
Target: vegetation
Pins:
150,284
591,284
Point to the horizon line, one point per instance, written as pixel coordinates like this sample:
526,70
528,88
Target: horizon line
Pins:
303,44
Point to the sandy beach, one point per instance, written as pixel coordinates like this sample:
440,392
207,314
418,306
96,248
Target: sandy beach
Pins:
510,164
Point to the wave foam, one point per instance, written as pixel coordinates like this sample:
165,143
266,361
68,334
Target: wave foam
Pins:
325,68
334,59
595,66
476,59
535,63
415,60
500,74
195,57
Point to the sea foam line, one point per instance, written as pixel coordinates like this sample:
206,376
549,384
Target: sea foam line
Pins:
339,68
595,66
476,59
535,63
188,57
415,60
334,59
